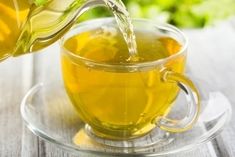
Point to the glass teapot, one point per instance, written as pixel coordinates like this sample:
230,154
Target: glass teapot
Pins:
30,25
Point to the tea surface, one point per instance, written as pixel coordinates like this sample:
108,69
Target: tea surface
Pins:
107,45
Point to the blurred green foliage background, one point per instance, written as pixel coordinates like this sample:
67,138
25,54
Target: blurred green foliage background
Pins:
182,13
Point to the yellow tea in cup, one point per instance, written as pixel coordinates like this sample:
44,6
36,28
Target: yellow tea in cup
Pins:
117,97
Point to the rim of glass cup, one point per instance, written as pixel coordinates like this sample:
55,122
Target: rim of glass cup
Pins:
131,65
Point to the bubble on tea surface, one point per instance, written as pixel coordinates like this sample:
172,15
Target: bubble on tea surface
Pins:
109,31
142,114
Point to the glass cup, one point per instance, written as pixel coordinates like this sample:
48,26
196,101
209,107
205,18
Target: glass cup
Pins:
126,101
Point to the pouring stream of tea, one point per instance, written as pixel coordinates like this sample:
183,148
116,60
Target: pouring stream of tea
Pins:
125,25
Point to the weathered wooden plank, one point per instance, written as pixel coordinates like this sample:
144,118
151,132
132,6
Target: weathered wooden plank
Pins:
12,89
228,136
232,20
46,68
211,59
29,141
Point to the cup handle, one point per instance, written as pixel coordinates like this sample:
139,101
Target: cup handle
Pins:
192,99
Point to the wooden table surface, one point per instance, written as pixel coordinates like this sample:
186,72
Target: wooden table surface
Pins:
211,59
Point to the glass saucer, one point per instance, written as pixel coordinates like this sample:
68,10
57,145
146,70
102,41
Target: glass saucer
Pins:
48,113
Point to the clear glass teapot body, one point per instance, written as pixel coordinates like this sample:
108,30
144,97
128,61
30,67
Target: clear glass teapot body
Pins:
30,25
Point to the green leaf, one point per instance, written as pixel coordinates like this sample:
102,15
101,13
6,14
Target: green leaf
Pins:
182,13
41,2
